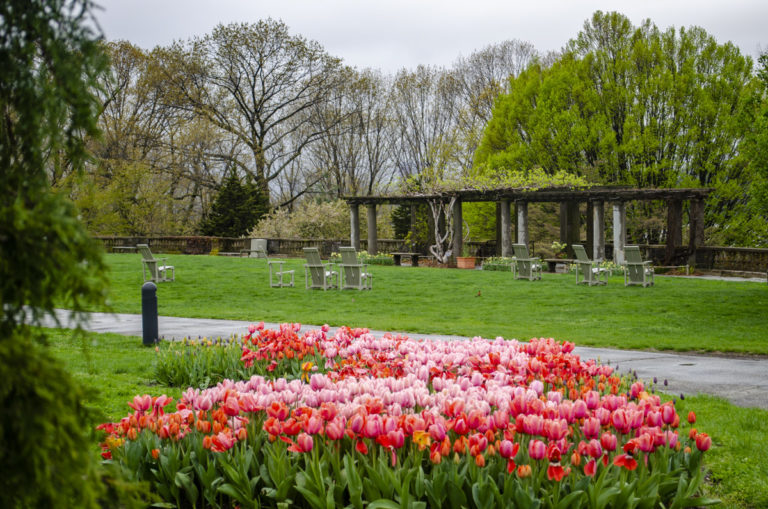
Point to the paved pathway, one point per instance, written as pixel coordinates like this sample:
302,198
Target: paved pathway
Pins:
743,381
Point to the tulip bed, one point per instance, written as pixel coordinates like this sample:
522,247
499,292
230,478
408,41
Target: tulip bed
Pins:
395,422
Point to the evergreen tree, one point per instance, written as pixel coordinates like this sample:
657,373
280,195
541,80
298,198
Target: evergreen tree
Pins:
237,208
50,61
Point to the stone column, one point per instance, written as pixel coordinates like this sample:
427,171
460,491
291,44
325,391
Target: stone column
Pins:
373,248
619,231
590,228
354,223
573,234
674,228
522,222
564,222
696,236
506,229
598,231
458,227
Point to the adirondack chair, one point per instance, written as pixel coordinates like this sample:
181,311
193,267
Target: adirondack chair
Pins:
258,249
277,274
527,267
354,274
588,269
636,271
155,269
321,274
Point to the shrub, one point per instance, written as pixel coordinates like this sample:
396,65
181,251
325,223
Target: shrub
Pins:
314,220
45,457
499,264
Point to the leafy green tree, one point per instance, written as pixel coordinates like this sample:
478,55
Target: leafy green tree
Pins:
50,59
756,152
237,208
633,106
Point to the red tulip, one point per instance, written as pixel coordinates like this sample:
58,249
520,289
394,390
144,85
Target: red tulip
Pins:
691,417
703,442
626,461
590,468
555,471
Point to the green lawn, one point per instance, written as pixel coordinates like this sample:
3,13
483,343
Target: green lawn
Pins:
675,314
119,367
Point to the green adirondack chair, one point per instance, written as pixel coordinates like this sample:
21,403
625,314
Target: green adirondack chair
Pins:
320,273
636,271
527,267
353,273
155,269
589,269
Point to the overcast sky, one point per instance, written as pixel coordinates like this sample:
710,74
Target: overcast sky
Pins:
392,34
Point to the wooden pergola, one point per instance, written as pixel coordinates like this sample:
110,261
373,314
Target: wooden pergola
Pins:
569,199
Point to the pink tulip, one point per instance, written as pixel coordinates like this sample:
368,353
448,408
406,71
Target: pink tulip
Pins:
335,429
668,413
533,425
314,425
592,399
603,415
608,441
591,427
372,427
437,432
305,442
654,418
620,420
537,449
141,403
357,423
594,449
508,449
580,409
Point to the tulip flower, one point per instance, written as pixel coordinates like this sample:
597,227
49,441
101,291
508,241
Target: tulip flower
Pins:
703,442
590,468
537,449
608,441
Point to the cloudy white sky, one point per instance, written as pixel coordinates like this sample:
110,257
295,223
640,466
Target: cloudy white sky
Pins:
392,34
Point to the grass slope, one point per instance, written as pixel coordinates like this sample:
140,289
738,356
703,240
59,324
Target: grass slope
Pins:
675,314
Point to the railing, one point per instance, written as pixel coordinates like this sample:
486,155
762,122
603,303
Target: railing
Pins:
709,257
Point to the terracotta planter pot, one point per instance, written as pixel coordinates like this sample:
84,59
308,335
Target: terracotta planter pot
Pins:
465,262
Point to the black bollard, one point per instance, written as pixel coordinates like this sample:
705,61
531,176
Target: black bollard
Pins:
149,313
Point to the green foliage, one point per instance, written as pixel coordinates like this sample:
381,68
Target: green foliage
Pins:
237,208
46,456
49,63
401,221
498,263
200,362
756,152
633,106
